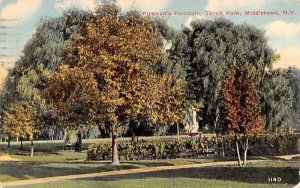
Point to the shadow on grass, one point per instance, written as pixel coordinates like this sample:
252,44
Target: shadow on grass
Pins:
148,164
239,174
26,170
26,153
249,174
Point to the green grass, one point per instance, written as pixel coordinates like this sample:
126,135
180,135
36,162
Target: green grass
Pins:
11,171
277,164
246,174
155,183
69,163
50,157
5,177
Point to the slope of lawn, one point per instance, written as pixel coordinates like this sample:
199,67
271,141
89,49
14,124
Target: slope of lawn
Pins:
155,183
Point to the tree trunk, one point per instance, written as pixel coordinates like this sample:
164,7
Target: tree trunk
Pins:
177,126
31,147
223,147
52,133
133,138
238,151
65,135
21,139
216,121
78,142
115,155
245,152
8,144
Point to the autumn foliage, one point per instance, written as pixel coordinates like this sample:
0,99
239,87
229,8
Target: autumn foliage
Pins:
242,109
20,120
241,104
109,73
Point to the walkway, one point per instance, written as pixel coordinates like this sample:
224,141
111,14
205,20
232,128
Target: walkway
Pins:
119,172
7,158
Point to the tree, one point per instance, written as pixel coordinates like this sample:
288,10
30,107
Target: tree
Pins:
20,120
207,50
276,99
168,100
293,77
110,74
8,96
242,108
43,52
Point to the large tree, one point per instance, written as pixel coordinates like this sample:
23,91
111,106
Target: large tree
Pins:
293,77
43,52
276,99
207,50
110,73
241,107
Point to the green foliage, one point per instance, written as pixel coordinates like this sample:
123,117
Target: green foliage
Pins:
127,58
186,148
165,31
44,52
150,150
207,50
293,77
20,120
282,144
276,99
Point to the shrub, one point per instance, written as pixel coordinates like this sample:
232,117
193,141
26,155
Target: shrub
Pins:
148,150
194,148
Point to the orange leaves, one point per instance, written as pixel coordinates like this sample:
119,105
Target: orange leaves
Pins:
105,71
242,108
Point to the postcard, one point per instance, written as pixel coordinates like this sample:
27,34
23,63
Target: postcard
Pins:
149,93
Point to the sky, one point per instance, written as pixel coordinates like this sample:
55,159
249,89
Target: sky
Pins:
280,19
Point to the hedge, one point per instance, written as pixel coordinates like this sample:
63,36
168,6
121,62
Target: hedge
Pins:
195,148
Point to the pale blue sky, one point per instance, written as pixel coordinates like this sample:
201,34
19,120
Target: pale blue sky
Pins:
282,30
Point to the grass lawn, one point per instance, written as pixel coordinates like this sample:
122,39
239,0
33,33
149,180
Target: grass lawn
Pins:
155,183
249,174
50,157
277,164
67,163
51,164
